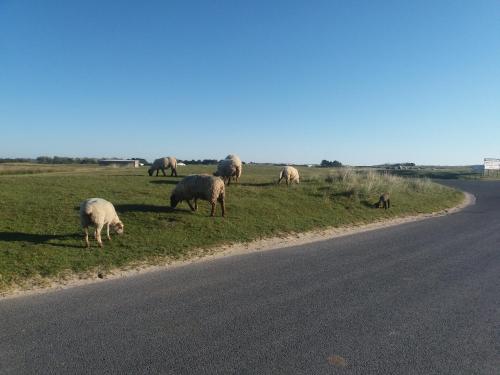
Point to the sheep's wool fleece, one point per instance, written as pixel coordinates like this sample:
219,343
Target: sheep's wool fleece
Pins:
237,163
202,186
164,163
99,210
290,173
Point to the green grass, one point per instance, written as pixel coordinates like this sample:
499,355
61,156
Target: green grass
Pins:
445,173
40,234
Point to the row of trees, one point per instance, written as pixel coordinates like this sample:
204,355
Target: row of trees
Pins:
330,164
67,160
204,161
51,160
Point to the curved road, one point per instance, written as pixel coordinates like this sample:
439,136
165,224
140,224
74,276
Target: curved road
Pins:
419,298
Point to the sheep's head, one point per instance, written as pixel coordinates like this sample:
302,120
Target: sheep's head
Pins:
118,227
174,201
150,171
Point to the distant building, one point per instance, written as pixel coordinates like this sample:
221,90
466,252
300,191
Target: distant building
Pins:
120,163
491,163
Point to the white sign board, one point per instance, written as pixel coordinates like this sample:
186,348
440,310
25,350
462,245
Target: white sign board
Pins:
490,163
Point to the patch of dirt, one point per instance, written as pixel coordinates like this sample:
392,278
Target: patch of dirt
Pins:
70,280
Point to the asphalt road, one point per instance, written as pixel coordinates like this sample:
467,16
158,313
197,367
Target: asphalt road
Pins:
419,298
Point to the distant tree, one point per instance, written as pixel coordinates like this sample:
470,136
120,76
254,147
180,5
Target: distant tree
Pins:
44,159
88,161
62,160
330,164
17,160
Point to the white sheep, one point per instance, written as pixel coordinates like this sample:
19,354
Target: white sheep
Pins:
230,167
199,186
99,212
238,165
162,164
226,169
290,174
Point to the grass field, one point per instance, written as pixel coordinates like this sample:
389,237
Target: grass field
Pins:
445,173
40,234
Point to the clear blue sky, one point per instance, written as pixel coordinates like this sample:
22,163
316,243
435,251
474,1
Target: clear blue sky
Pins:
362,82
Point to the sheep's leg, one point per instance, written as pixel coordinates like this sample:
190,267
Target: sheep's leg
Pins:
174,172
98,234
190,205
86,230
195,204
222,206
388,203
164,174
229,181
157,171
107,232
212,213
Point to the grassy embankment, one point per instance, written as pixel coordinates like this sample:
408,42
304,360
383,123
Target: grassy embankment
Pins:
447,173
40,234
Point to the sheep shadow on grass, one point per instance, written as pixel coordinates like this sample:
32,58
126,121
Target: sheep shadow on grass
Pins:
259,184
368,204
39,239
141,208
164,182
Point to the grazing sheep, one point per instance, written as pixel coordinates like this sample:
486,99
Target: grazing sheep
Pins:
384,201
238,164
162,164
290,174
226,169
99,212
199,186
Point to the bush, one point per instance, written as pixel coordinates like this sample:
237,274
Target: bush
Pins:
330,164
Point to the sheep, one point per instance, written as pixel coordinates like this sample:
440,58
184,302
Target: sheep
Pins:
290,174
162,164
228,168
384,201
199,186
238,164
99,212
